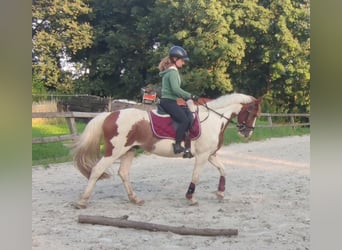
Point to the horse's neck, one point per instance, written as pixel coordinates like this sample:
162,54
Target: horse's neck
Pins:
226,111
229,110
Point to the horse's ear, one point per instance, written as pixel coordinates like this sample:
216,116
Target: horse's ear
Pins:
259,100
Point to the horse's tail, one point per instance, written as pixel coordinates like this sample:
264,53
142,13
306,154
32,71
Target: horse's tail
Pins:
86,148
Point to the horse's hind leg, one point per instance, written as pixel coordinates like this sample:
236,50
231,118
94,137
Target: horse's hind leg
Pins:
96,172
222,182
125,166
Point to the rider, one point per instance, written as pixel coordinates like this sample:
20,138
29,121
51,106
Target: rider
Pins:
171,90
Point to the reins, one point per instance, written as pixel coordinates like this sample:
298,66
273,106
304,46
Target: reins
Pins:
238,125
219,114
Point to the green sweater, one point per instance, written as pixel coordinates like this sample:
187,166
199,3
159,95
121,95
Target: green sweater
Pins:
171,82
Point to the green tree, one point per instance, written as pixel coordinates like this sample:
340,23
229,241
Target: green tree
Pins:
277,53
57,32
290,73
250,46
115,64
202,28
251,22
38,89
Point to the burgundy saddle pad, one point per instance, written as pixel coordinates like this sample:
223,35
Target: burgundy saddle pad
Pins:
162,126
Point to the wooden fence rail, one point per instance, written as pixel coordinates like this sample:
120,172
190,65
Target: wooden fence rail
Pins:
70,118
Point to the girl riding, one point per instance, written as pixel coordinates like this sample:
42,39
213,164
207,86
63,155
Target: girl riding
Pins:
171,90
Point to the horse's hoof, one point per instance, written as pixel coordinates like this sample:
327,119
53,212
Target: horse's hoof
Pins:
192,202
220,195
79,205
137,201
140,202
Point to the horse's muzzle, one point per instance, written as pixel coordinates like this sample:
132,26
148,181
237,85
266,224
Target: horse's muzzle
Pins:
245,130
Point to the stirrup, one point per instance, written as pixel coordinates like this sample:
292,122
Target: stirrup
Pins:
177,148
187,153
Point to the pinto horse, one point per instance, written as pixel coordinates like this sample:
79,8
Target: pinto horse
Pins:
125,130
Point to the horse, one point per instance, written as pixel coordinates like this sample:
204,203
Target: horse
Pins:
125,130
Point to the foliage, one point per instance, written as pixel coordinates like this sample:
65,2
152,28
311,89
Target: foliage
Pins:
58,31
202,28
39,91
257,47
277,55
115,64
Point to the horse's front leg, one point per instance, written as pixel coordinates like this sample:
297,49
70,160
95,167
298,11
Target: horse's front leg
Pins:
199,162
125,166
222,182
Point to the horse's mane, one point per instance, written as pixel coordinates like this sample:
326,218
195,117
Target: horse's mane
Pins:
229,99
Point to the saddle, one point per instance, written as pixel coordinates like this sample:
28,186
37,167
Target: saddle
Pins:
164,127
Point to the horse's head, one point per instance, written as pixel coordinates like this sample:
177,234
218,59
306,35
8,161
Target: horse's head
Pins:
247,117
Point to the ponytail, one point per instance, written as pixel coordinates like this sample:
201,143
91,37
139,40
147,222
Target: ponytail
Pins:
165,63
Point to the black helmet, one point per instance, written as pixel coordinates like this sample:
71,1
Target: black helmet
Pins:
179,52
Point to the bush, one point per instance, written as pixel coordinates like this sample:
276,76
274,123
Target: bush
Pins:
39,92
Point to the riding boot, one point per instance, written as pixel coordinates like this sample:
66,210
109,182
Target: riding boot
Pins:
177,148
187,144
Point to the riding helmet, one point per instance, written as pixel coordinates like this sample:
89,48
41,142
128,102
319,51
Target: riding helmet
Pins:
179,52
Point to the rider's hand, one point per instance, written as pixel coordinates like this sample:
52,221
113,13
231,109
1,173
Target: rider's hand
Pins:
194,97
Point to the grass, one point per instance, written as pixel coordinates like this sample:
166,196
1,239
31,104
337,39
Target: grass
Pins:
231,135
57,152
54,152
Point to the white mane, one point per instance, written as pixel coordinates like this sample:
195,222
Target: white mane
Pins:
230,99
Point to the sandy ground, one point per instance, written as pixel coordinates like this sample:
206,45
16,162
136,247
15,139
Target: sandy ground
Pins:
267,200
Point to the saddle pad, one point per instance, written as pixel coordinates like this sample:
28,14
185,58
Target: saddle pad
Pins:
162,126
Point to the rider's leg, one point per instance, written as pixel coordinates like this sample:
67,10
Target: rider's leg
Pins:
187,140
177,113
180,133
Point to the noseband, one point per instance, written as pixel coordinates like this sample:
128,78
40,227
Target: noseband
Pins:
243,126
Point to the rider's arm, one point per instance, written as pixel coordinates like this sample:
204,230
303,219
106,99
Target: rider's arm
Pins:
175,83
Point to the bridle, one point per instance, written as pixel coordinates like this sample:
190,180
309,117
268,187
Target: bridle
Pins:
244,126
241,126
